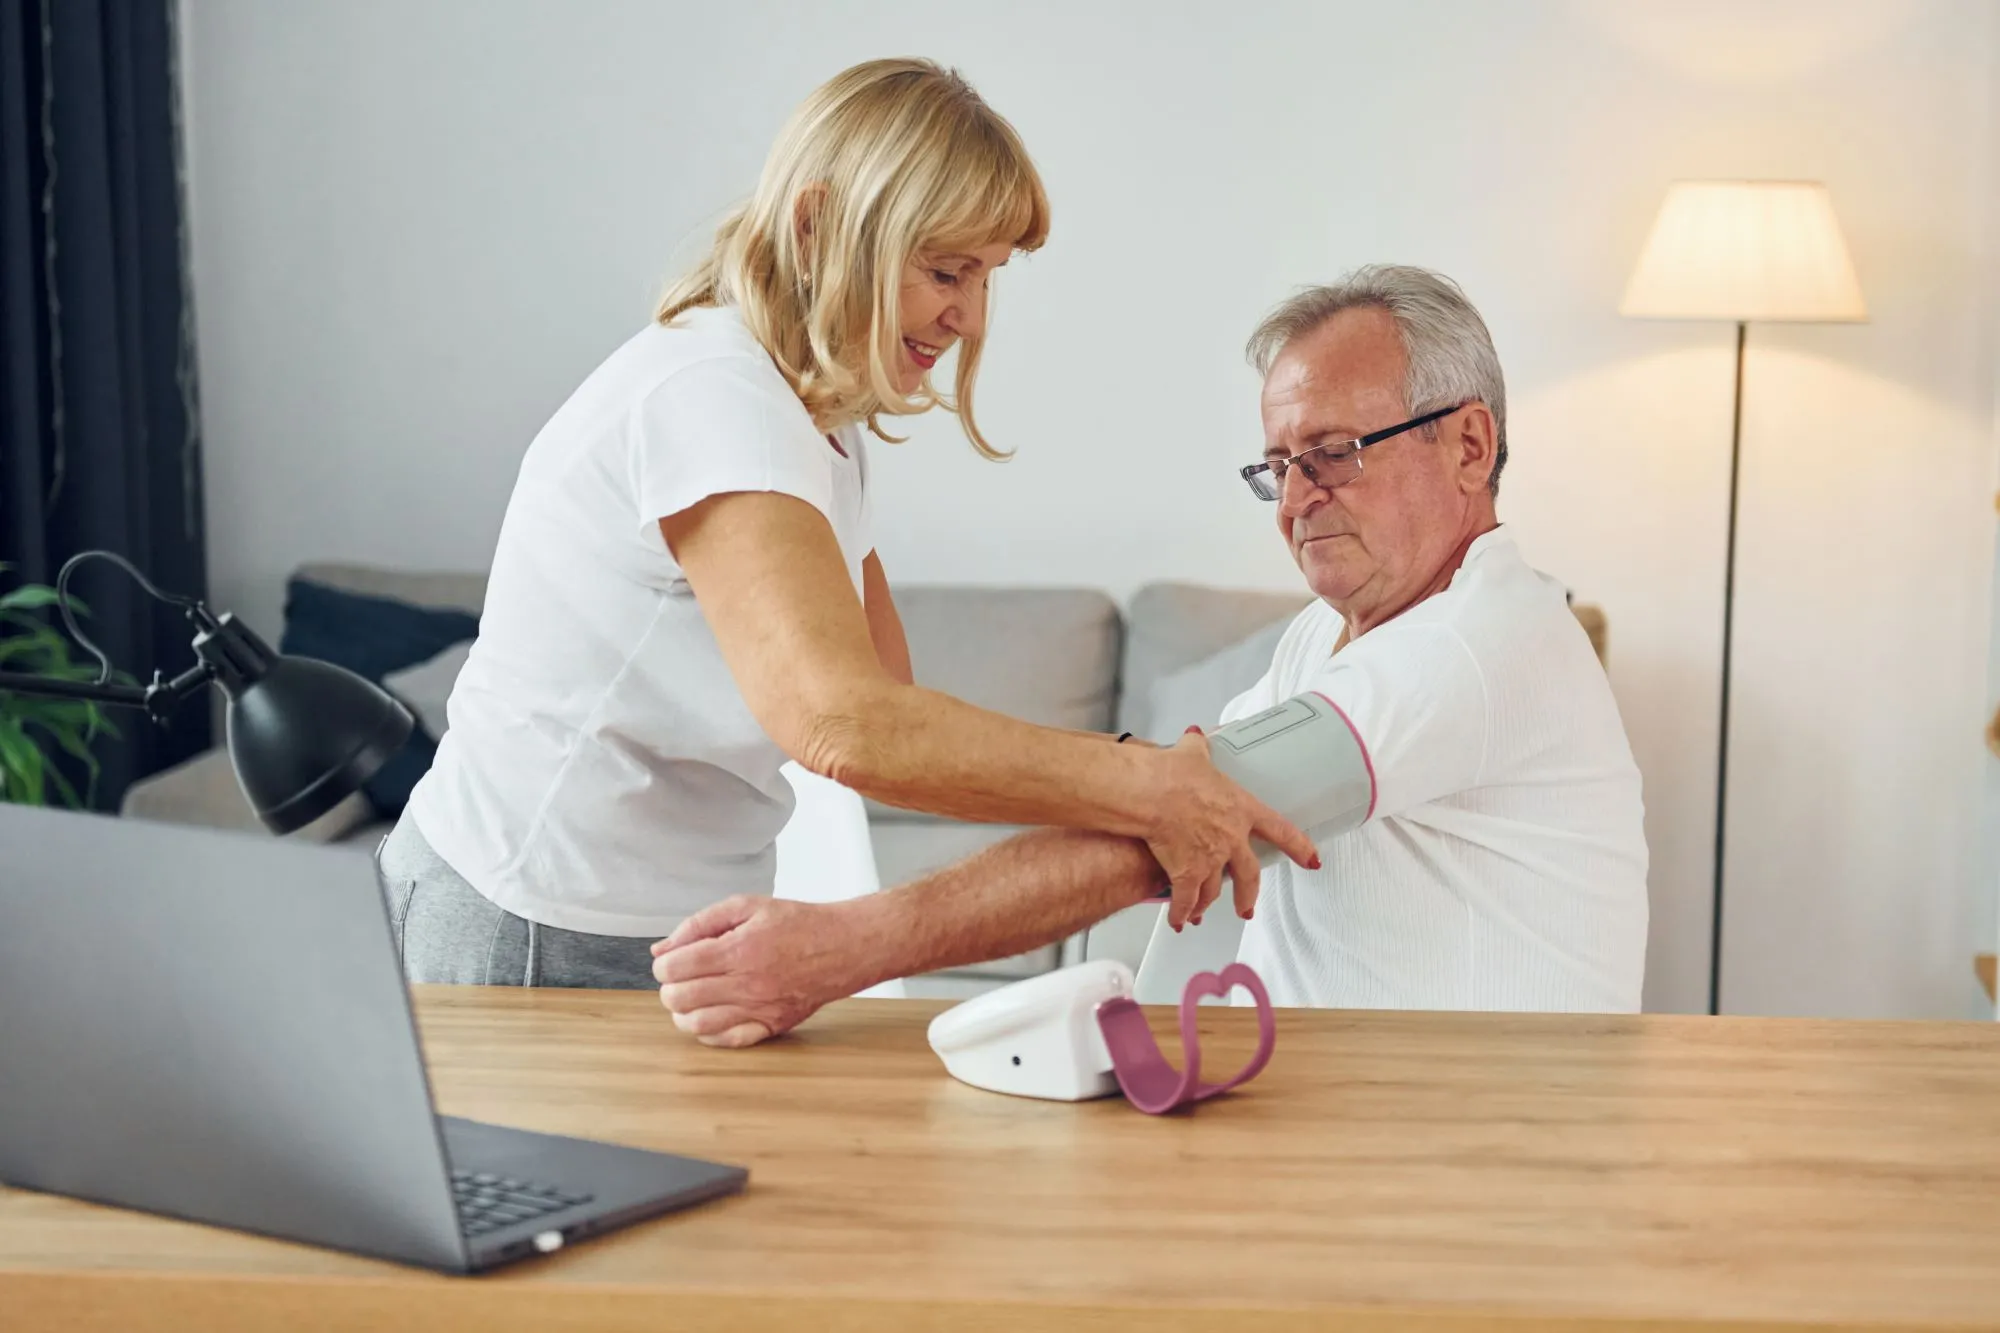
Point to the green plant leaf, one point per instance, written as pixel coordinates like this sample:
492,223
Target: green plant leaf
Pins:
71,671
44,641
71,714
22,759
74,741
100,725
30,645
84,671
67,790
28,598
22,619
34,596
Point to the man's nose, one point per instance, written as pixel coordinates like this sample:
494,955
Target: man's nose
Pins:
1300,494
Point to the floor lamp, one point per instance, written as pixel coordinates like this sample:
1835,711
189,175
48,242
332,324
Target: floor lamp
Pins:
1741,251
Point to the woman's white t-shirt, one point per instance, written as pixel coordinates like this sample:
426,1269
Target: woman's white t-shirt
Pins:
601,771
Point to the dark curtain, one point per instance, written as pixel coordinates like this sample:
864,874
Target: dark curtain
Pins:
99,437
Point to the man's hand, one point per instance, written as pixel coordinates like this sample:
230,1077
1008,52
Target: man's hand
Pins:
748,969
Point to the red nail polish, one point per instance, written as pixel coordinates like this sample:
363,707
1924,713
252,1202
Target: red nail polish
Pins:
1192,731
1313,864
1247,915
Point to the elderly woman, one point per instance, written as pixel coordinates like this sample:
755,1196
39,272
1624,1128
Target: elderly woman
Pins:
685,592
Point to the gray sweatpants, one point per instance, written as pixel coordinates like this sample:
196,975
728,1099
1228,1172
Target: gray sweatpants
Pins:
449,932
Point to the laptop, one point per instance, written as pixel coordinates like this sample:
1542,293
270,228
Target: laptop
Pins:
214,1026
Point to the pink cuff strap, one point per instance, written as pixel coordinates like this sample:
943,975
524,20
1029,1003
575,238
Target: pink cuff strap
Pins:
1149,1082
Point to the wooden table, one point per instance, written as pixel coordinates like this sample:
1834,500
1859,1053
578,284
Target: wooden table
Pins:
1387,1171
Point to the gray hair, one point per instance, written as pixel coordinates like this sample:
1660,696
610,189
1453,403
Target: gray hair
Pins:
1449,352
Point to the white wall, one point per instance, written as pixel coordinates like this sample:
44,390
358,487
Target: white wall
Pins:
416,225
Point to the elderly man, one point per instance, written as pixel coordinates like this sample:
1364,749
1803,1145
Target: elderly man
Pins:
1503,864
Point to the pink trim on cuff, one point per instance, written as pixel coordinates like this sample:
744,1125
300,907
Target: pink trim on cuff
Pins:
1367,760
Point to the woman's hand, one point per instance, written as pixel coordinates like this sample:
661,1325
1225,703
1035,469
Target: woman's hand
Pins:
1204,826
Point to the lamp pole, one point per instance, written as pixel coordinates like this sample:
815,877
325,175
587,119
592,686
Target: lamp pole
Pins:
1728,635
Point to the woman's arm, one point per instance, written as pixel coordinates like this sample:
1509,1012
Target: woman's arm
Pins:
775,592
885,627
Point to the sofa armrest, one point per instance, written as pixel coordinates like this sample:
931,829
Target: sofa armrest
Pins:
204,791
1592,620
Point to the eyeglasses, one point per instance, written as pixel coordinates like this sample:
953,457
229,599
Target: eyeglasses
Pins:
1330,465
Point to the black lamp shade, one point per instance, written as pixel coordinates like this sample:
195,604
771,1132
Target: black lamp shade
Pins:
303,734
306,735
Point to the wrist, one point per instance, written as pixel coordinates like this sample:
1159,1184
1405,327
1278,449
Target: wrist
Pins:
874,941
1140,794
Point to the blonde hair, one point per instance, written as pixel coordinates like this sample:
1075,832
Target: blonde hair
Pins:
903,155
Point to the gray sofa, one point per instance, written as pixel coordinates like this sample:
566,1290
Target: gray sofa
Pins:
1059,656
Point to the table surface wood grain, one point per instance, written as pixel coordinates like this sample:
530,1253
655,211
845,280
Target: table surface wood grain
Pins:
1387,1171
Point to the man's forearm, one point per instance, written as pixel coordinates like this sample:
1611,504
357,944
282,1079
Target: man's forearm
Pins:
1017,895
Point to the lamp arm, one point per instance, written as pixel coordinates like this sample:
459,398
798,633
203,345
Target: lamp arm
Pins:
159,699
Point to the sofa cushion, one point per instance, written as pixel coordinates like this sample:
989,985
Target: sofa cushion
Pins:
1046,655
373,636
204,791
1196,694
1172,625
425,687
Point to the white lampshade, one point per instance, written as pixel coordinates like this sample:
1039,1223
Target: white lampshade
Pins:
1745,250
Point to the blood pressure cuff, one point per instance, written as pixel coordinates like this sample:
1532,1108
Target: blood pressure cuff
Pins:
1304,759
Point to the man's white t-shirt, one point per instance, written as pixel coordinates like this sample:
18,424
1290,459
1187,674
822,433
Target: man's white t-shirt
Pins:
602,772
1504,865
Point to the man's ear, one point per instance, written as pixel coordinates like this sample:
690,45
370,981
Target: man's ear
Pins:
1475,440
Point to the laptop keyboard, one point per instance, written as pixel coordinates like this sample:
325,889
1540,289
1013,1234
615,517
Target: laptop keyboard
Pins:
487,1202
